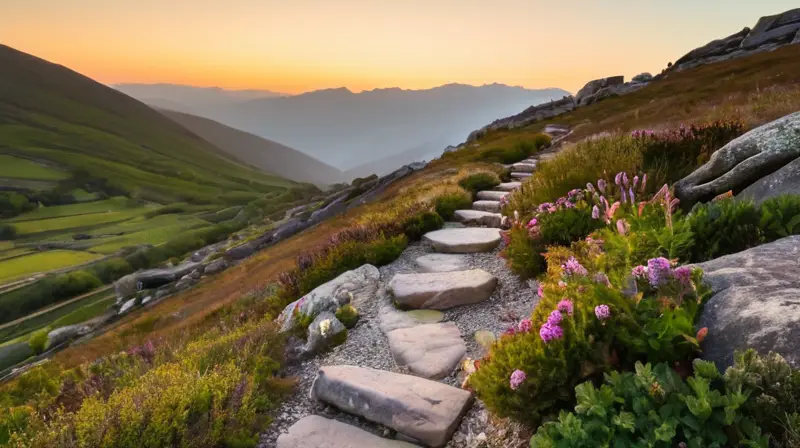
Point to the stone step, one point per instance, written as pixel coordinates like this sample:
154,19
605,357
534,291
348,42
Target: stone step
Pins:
478,218
464,241
442,263
430,350
509,186
315,432
521,175
424,410
488,195
524,167
442,290
487,206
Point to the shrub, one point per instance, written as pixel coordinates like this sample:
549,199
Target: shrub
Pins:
655,407
585,325
523,253
347,315
724,227
7,232
447,204
13,204
111,269
567,225
419,225
780,217
479,182
38,341
22,301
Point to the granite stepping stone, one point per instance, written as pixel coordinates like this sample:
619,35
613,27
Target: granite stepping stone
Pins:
442,263
509,186
464,241
524,167
478,218
424,410
315,432
487,206
430,351
492,195
442,290
519,175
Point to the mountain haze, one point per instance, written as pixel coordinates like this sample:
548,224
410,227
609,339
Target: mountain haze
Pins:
257,151
178,97
347,129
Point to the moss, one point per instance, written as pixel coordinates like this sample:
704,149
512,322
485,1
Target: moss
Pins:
347,315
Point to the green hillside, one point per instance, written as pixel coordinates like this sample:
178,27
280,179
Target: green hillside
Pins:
54,122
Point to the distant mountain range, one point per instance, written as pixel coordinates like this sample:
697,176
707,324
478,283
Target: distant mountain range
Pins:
348,130
179,97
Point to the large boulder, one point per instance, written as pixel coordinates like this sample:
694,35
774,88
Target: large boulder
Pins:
592,87
714,48
780,27
325,331
64,334
784,181
355,287
216,266
753,156
756,302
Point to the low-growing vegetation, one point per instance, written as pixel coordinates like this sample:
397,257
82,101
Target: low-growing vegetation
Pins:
479,182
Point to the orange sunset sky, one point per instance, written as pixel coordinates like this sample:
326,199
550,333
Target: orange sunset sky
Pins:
294,46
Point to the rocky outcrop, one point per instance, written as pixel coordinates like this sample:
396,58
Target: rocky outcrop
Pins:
770,32
152,278
64,334
756,302
530,115
353,287
216,266
784,181
592,87
759,154
603,88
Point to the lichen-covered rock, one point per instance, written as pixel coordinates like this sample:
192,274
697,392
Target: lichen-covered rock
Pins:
355,287
325,331
784,181
743,161
756,302
216,266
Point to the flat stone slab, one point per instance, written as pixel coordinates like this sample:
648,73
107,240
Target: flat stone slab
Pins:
492,195
442,263
478,218
430,351
422,409
464,241
316,432
519,175
442,290
524,167
509,186
487,206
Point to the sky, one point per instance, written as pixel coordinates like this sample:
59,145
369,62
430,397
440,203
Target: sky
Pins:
293,46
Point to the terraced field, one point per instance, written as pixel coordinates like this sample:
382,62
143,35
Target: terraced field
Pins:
16,268
19,168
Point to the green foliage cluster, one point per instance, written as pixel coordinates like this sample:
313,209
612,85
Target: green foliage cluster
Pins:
418,225
38,341
447,204
13,204
518,151
479,182
655,407
7,232
25,300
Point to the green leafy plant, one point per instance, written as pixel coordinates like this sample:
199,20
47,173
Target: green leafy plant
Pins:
38,341
447,204
780,217
654,407
567,225
523,253
724,227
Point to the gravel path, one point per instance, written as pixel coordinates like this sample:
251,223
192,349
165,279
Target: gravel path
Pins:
367,346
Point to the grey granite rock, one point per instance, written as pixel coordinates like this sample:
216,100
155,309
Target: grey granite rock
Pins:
478,218
430,351
442,290
318,432
425,410
468,240
442,263
784,181
486,206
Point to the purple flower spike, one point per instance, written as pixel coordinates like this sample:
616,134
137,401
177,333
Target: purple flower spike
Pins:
659,271
603,312
574,267
618,178
625,179
644,183
595,212
517,378
601,185
624,196
635,181
632,198
590,187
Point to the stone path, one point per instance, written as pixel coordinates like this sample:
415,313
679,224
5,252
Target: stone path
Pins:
421,411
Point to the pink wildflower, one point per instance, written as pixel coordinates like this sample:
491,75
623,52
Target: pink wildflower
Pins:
517,378
603,312
525,326
565,306
684,275
639,272
574,267
555,317
550,332
540,291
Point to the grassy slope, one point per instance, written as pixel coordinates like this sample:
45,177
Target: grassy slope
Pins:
260,152
48,112
757,89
